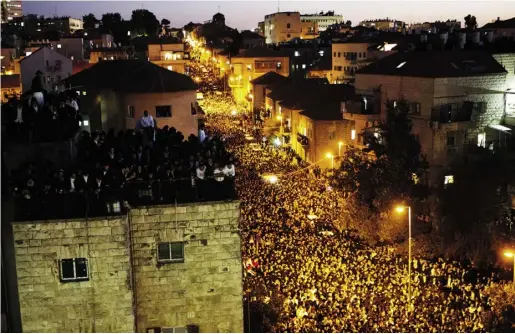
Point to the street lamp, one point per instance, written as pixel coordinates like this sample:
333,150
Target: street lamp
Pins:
330,156
340,144
401,209
511,254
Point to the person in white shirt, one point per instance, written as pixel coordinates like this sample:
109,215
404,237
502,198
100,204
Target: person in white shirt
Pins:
218,173
201,172
147,124
229,170
202,134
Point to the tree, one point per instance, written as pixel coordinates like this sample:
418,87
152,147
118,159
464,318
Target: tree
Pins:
90,21
165,22
348,23
144,22
110,22
470,22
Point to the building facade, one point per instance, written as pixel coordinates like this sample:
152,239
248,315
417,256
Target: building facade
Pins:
156,269
252,64
54,68
383,24
453,109
282,27
347,59
322,20
109,53
11,9
170,56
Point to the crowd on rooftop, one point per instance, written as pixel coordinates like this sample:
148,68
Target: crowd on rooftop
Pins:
128,167
321,279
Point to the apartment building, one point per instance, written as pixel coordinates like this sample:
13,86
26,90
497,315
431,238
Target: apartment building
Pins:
501,28
322,20
306,116
155,269
11,9
348,57
282,27
70,47
383,24
66,25
108,53
251,64
169,55
54,68
457,98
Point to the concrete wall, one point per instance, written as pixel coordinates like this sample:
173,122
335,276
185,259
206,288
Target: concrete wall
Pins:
102,304
205,290
127,287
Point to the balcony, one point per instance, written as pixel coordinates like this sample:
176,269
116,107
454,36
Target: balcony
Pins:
303,140
449,113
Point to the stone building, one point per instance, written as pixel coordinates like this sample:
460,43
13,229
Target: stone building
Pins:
154,269
322,20
457,100
168,54
282,27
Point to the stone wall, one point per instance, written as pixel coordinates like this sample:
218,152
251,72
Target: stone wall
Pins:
206,289
101,304
203,290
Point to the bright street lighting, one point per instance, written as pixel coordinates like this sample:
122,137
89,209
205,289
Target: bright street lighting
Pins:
330,156
234,112
400,209
277,141
511,254
272,179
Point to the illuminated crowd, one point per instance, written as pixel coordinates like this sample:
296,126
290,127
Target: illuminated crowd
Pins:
325,280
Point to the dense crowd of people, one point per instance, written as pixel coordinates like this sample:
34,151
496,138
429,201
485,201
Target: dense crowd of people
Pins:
128,167
321,279
53,118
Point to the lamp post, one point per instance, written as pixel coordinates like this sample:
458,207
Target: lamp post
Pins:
400,209
340,144
511,254
330,156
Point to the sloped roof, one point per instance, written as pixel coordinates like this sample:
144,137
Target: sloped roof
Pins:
41,49
269,78
251,35
10,81
435,64
259,52
510,23
131,76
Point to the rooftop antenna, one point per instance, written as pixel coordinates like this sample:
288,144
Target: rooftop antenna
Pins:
278,10
219,8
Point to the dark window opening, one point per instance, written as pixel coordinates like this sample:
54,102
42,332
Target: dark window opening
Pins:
163,111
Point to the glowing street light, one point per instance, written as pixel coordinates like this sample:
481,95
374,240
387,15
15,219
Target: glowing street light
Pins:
277,141
340,144
272,179
401,209
511,254
197,79
330,156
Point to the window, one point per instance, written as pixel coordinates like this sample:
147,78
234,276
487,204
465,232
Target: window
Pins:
279,65
73,270
114,207
288,35
332,135
297,53
170,68
288,26
174,330
130,111
481,140
449,179
450,140
303,65
415,108
334,55
170,252
163,111
339,54
353,134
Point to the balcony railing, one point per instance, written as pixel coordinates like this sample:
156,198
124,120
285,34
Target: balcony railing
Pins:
452,113
303,140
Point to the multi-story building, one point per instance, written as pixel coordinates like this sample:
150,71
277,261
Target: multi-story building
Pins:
100,54
383,24
54,68
458,100
169,55
8,61
307,117
155,269
348,57
251,64
309,29
11,9
71,47
282,27
261,28
323,20
66,25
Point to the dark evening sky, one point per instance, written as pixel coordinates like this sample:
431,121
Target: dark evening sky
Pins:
246,14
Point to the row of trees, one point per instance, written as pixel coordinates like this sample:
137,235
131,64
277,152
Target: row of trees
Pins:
142,22
468,219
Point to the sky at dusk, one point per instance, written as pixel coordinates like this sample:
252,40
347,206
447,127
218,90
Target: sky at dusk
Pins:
246,14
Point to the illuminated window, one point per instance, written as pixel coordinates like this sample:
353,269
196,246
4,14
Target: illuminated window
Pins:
303,65
297,53
59,46
84,93
168,56
353,134
86,123
401,64
449,179
481,140
169,68
130,111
